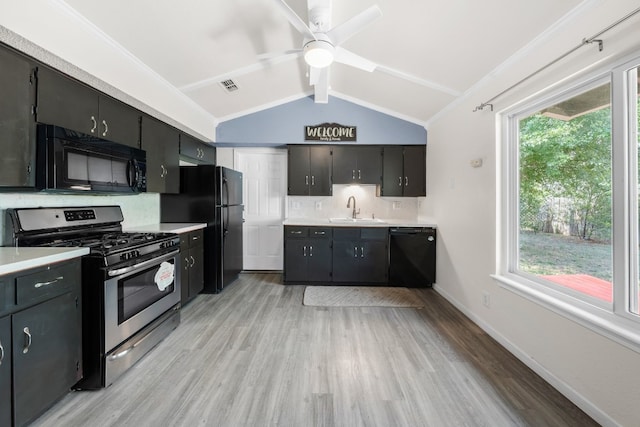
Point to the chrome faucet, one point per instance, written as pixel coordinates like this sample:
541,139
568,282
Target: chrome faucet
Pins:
354,214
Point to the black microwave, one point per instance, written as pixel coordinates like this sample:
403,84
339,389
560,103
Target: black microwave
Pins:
71,161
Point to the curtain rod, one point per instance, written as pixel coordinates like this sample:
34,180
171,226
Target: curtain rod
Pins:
592,39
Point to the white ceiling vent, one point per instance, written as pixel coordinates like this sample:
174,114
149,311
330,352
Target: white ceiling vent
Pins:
229,85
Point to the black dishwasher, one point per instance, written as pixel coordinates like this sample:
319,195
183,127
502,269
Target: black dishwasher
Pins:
412,256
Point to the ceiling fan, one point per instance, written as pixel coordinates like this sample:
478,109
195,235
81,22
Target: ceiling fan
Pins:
321,43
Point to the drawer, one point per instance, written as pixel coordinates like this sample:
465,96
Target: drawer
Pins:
195,237
44,284
6,293
320,232
346,233
293,232
374,233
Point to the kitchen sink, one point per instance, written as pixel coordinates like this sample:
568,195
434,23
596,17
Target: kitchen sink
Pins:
356,221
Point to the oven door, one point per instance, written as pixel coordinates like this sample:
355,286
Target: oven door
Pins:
137,295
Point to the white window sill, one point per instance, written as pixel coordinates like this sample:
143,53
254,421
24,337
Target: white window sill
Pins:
602,321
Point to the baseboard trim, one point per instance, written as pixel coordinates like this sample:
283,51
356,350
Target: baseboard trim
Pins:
570,393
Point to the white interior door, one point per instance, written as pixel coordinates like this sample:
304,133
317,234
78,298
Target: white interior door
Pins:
264,193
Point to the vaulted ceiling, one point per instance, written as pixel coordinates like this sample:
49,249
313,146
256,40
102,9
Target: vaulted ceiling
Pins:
427,52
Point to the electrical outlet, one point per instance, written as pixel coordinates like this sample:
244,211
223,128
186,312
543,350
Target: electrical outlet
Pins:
397,205
318,206
486,299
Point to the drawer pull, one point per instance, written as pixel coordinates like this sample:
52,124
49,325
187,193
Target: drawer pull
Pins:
51,282
27,342
319,233
295,232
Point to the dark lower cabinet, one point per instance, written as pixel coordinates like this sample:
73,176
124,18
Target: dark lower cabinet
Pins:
5,371
192,256
46,355
41,339
307,254
360,255
336,254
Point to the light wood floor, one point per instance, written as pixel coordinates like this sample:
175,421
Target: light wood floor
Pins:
255,356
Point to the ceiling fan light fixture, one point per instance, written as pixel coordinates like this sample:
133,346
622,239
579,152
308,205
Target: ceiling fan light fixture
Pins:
318,53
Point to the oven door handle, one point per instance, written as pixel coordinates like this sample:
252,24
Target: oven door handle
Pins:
125,270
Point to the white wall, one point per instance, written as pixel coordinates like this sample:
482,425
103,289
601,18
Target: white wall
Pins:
600,375
97,60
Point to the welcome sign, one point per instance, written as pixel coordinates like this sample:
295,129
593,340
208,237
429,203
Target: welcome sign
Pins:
330,132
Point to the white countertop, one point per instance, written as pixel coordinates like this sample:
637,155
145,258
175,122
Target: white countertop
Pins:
167,227
17,259
384,223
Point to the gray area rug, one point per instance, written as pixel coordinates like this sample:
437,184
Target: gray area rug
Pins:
360,296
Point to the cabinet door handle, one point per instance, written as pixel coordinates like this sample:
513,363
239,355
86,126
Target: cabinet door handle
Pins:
94,124
186,263
163,171
106,128
313,180
310,250
399,181
27,341
306,180
304,251
361,251
1,353
41,284
359,174
355,252
406,181
193,261
353,174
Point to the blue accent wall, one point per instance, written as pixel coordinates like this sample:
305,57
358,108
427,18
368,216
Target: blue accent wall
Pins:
285,124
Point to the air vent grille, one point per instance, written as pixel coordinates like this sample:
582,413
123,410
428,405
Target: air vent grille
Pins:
229,85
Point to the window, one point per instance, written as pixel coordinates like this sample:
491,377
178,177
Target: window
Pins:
564,191
570,201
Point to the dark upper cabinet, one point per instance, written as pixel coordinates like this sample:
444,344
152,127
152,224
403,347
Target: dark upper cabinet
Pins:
404,171
195,151
5,371
17,124
68,103
357,164
161,142
309,170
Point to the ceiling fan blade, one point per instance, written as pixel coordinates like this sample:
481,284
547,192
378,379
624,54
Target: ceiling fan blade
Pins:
342,32
277,56
344,56
294,19
321,86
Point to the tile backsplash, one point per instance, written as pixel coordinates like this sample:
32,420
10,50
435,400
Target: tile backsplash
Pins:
138,209
367,202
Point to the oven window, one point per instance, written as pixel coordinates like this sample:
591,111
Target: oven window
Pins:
140,291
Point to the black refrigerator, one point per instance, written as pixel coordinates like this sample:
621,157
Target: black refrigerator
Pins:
212,195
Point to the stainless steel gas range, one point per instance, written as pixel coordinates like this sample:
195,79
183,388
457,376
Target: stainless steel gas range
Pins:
130,282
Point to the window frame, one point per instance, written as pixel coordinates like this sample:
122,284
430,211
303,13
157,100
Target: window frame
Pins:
614,320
